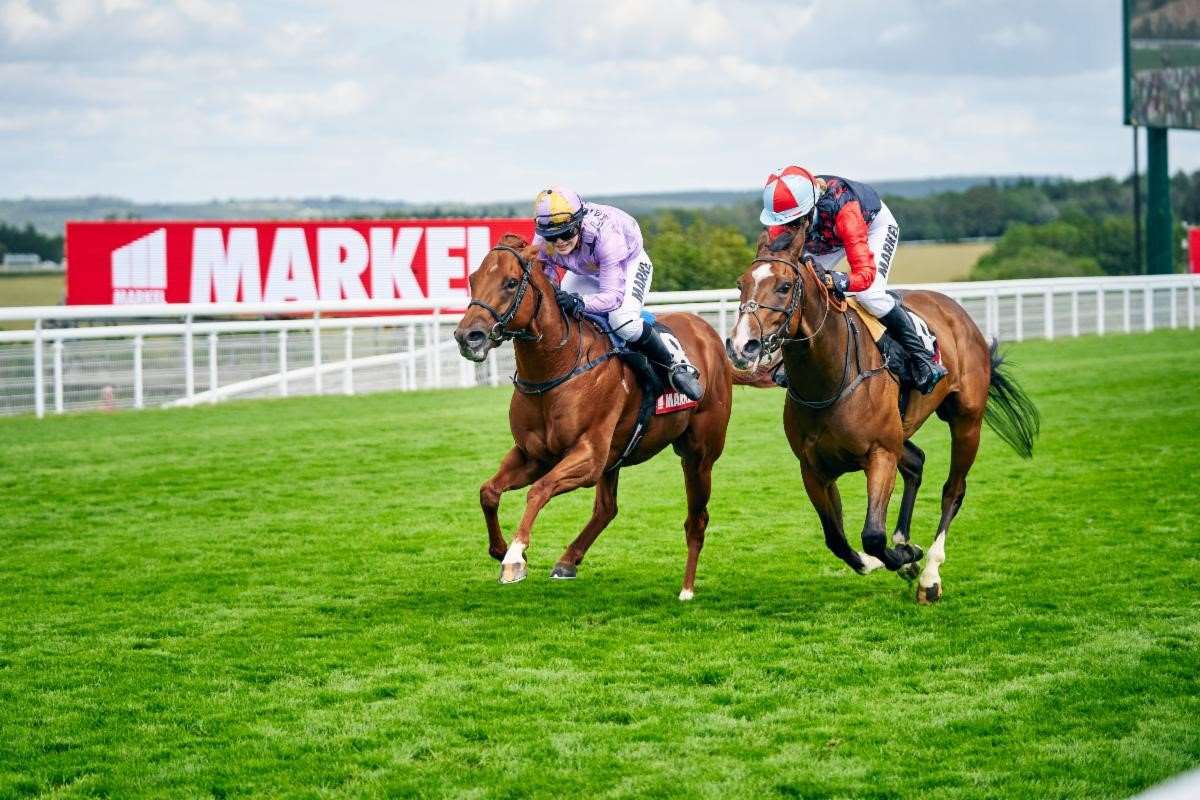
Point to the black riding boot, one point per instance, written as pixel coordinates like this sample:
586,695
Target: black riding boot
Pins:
684,377
926,373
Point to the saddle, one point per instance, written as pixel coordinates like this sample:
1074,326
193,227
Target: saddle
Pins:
658,397
895,356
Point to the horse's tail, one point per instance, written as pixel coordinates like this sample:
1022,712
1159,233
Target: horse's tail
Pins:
1010,412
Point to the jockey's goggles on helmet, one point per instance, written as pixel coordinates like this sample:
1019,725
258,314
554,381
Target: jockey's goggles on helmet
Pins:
556,228
561,236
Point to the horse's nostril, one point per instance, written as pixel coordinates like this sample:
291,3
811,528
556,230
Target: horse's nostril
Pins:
475,338
751,347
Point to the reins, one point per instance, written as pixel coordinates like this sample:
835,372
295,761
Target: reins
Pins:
777,339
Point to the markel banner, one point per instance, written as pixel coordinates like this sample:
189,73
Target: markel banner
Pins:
120,263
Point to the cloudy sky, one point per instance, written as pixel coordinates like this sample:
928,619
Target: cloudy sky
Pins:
474,101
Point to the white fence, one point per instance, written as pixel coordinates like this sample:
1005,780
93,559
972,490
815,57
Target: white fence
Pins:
209,353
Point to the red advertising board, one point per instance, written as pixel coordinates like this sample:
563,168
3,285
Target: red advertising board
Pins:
1193,246
241,262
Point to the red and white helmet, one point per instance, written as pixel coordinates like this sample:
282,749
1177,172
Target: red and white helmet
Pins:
789,194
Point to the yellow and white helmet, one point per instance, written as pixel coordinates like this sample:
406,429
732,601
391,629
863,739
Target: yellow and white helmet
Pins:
557,213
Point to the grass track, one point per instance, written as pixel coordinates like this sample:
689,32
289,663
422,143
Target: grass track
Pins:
292,597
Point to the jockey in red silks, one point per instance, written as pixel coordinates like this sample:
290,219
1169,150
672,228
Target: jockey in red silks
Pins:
607,275
847,219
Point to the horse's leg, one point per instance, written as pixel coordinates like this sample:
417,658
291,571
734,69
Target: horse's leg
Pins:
912,465
604,510
516,471
964,444
697,479
881,479
828,502
579,467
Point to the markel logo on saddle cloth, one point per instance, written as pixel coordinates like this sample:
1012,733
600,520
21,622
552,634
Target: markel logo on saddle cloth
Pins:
670,402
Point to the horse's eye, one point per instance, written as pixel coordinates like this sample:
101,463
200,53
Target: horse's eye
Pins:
511,283
784,288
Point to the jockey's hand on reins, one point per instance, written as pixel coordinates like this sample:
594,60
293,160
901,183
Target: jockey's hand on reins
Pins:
836,282
570,303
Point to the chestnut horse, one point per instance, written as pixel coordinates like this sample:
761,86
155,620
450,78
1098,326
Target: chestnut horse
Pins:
843,412
575,409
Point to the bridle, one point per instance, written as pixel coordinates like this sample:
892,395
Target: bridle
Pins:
779,337
500,332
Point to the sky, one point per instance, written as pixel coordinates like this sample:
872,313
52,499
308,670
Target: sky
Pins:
455,101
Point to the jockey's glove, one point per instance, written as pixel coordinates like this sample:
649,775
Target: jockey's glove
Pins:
570,303
837,282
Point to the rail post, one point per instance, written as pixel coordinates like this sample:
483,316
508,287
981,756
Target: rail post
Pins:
212,368
1048,312
58,379
348,368
1148,308
139,400
39,388
1019,317
189,373
283,362
1100,311
318,383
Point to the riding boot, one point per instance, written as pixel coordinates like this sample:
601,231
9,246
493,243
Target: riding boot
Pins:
926,373
684,377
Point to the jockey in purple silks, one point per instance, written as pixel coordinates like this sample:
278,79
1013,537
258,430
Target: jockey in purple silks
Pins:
607,275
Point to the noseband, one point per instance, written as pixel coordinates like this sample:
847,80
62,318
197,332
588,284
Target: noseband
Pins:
500,332
779,337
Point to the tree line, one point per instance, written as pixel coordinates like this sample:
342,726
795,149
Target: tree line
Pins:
14,239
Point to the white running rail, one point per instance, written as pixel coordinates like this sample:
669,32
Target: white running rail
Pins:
191,354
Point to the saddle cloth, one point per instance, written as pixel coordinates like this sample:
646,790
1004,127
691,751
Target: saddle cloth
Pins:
878,329
653,378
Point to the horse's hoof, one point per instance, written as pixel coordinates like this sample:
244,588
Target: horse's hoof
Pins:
928,595
686,594
513,573
562,571
909,571
914,551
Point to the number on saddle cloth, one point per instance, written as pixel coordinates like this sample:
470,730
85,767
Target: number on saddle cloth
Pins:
895,356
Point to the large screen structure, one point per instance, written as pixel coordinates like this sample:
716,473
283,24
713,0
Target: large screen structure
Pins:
1162,65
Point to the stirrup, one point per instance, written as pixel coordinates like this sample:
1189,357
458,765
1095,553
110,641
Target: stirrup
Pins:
685,379
933,374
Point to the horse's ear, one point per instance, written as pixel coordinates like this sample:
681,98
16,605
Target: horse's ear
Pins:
514,241
764,239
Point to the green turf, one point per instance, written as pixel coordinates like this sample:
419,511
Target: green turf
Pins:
293,598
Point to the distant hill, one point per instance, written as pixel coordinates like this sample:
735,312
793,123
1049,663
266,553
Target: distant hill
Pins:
49,216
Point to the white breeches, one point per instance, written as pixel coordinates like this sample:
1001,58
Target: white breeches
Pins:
625,319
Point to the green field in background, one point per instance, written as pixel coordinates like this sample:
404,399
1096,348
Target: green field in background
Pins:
936,262
293,598
30,290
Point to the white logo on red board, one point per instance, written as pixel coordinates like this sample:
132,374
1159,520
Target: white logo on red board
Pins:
139,270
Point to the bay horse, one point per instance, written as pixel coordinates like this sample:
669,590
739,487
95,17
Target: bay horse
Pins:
575,409
842,412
